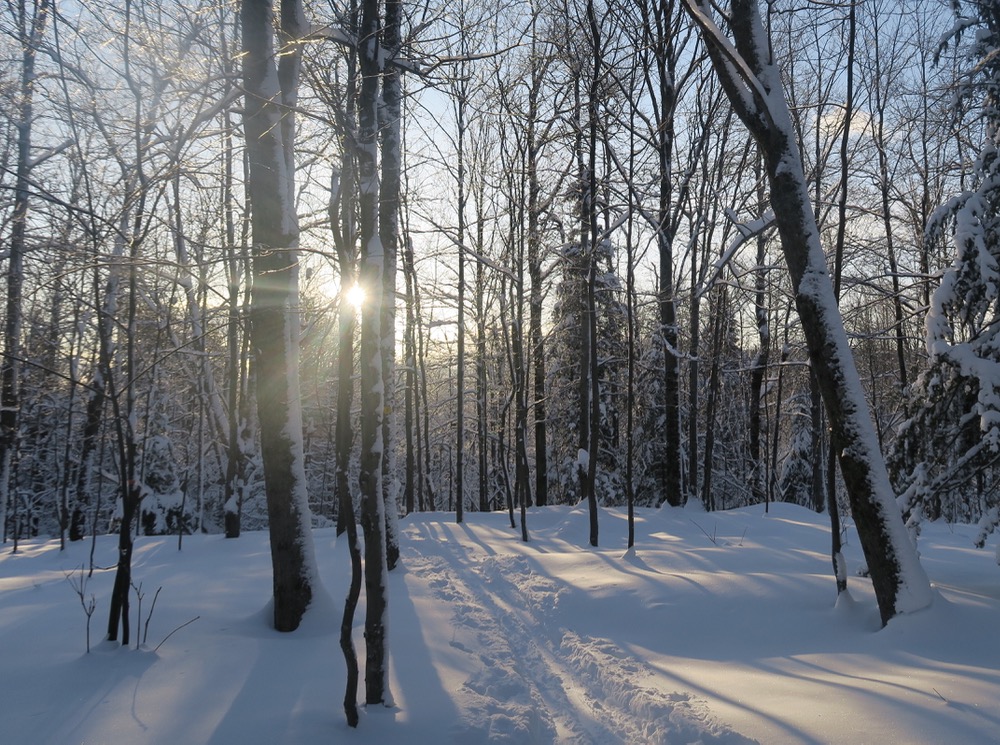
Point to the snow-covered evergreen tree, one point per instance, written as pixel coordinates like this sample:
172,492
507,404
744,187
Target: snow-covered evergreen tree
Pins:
163,501
947,453
795,481
563,364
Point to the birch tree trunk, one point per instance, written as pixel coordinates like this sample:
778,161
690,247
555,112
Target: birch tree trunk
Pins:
371,368
274,321
751,80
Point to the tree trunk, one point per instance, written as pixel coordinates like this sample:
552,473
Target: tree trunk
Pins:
535,335
343,191
482,433
758,370
232,509
590,204
390,125
836,550
414,484
274,320
31,28
461,95
373,519
753,84
664,18
341,212
718,326
778,402
879,94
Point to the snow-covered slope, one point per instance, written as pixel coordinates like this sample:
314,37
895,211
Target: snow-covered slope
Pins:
719,628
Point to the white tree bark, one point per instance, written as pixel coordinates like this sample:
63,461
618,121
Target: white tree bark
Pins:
268,122
373,519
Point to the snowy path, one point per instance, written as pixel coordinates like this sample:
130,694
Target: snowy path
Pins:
534,681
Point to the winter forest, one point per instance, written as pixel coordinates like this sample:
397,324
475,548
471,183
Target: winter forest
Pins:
317,268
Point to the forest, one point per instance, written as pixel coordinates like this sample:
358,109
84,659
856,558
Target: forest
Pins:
315,267
331,263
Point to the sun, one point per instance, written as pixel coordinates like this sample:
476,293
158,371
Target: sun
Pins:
355,295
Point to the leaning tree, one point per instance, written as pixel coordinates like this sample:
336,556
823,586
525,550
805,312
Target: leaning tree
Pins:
751,79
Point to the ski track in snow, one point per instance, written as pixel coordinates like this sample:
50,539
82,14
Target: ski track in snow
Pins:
536,683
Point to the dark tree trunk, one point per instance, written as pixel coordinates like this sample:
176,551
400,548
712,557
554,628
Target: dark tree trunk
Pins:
119,611
345,393
590,201
755,91
460,103
758,371
31,28
664,15
414,485
718,325
816,441
233,505
390,124
482,432
93,417
237,268
342,194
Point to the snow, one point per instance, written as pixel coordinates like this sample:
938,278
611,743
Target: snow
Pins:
718,628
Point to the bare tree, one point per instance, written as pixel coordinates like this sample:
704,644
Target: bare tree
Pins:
271,93
661,19
30,21
373,519
390,128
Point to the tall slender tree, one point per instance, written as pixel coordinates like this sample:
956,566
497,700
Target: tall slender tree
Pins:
390,129
30,22
372,270
661,18
269,125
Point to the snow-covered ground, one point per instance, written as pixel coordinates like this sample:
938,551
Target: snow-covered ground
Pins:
720,628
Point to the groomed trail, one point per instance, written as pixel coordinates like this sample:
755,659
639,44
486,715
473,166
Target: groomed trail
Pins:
537,681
